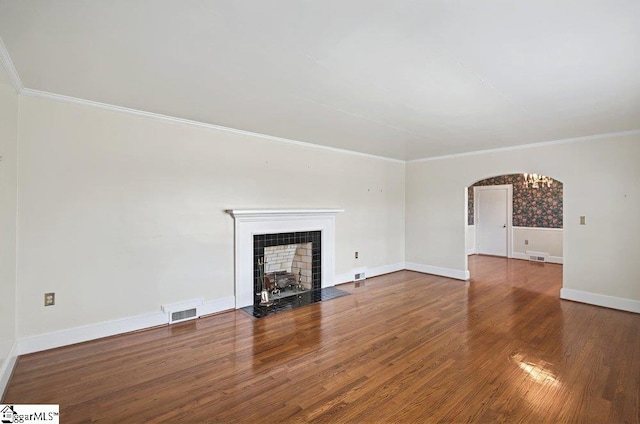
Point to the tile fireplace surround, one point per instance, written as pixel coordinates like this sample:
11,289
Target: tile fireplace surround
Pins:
250,222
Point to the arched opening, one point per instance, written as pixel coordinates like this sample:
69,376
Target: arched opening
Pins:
535,219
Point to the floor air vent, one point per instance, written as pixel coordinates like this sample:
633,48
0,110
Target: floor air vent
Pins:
183,311
183,315
537,256
359,276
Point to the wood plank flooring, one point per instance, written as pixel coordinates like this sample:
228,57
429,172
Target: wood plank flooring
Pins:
404,347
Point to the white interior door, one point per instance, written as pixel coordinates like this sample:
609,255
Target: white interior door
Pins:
492,220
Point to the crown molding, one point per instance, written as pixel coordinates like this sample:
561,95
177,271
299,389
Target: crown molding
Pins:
17,83
120,109
8,66
531,145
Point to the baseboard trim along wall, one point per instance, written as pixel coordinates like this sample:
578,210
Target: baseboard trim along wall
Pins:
109,328
344,278
613,302
369,272
218,305
436,270
426,269
6,368
524,256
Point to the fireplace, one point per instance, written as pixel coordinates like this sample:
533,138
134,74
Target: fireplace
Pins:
286,264
282,227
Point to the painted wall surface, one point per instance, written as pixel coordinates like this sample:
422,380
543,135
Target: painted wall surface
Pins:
471,239
120,214
601,181
540,240
8,166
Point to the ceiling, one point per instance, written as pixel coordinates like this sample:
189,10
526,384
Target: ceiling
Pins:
399,79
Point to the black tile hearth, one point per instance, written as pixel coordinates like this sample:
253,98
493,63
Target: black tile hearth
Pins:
293,302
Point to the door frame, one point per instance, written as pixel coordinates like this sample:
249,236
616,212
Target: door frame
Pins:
476,209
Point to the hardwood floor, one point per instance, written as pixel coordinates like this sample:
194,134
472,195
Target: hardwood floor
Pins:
404,347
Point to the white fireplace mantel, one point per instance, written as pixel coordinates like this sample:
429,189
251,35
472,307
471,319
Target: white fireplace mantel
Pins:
250,222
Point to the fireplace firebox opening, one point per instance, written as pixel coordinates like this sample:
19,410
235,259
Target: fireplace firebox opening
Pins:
286,264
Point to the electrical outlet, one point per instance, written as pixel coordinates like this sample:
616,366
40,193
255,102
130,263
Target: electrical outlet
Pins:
526,242
49,299
356,255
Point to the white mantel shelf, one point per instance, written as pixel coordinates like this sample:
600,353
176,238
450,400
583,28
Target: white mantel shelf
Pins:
250,222
265,213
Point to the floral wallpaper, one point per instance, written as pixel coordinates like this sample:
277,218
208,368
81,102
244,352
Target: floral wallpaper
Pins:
541,207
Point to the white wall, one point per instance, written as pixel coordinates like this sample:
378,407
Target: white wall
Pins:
8,164
120,214
601,181
470,243
545,240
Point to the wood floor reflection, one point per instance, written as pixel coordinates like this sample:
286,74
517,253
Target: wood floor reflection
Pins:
404,347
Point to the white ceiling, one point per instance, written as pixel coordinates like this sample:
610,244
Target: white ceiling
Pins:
400,79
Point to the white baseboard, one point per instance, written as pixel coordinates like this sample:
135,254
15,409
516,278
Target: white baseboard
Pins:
436,270
6,368
386,269
181,306
550,259
629,305
369,272
218,305
89,332
109,328
343,278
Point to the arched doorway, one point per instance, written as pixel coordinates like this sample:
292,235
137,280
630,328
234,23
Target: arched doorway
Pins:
536,223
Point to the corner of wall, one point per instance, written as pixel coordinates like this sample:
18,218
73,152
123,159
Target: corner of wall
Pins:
6,369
